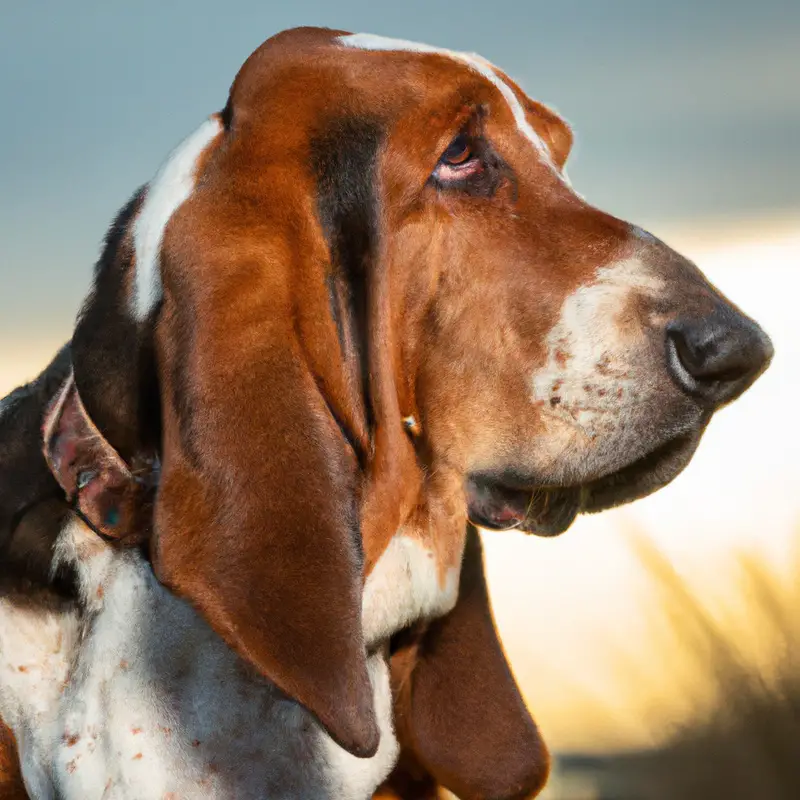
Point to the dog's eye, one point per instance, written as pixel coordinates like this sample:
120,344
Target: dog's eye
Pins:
458,161
459,151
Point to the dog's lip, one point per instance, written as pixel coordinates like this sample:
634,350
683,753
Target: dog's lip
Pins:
499,503
545,511
643,476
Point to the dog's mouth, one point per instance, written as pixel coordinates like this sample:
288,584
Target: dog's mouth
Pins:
500,503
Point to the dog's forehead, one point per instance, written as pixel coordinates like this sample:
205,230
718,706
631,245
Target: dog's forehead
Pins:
322,69
473,62
313,51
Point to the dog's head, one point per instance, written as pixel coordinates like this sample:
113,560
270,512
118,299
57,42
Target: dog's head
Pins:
366,288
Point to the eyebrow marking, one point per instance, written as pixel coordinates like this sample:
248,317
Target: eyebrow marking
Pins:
369,41
171,187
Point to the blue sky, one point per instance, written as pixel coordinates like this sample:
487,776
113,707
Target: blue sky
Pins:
684,110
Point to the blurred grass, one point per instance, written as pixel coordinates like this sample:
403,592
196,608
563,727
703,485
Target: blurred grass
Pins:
737,733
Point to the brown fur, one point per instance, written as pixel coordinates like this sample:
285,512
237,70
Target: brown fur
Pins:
460,718
11,786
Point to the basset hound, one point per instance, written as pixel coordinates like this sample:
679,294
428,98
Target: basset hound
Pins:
355,312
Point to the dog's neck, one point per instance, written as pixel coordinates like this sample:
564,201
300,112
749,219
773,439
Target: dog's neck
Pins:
122,690
114,687
128,693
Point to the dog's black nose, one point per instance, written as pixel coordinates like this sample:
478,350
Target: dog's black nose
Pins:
719,356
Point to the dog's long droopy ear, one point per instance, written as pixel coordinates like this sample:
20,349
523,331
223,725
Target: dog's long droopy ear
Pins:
257,523
195,338
460,717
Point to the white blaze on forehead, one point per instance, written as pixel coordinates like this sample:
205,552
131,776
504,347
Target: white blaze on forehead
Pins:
369,41
170,188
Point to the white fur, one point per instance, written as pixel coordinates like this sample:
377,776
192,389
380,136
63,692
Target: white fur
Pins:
155,706
594,368
136,698
405,587
170,188
354,778
369,41
38,637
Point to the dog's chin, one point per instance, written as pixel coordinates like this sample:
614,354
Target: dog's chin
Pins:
548,510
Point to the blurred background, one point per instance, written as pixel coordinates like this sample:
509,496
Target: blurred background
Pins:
631,635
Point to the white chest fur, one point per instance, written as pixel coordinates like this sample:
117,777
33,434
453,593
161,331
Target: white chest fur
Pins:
141,700
38,638
156,707
405,586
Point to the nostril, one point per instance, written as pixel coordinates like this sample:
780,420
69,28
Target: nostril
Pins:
717,357
694,351
708,354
